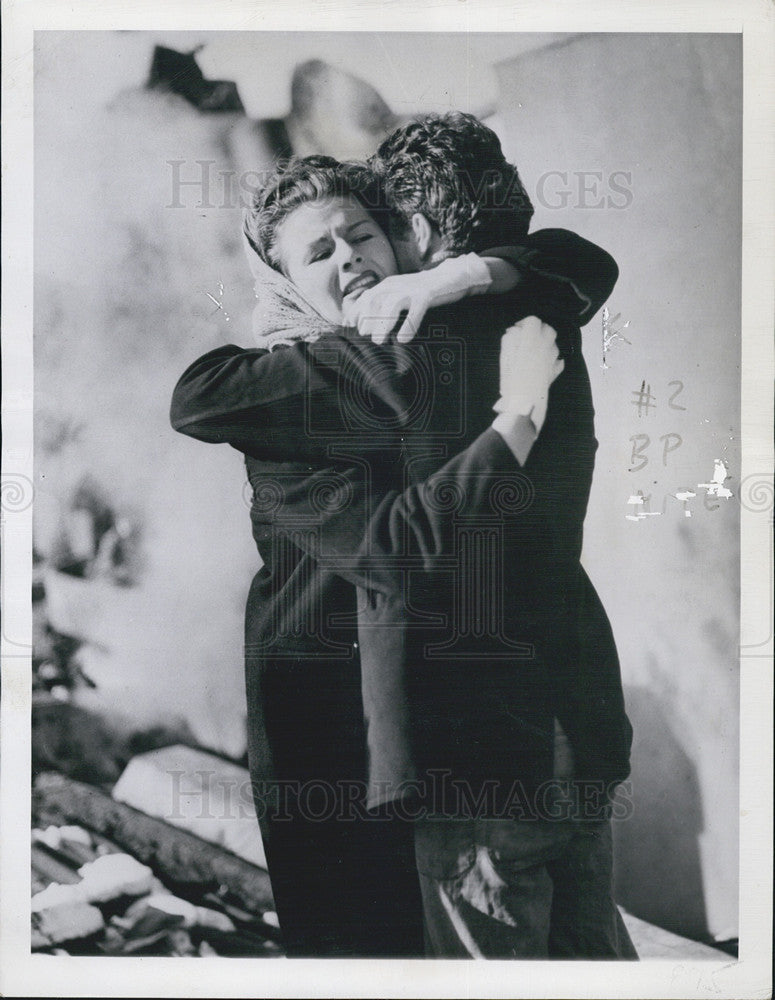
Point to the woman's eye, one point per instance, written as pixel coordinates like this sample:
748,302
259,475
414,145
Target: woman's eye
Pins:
362,239
320,255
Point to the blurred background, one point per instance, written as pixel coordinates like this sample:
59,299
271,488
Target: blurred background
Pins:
147,145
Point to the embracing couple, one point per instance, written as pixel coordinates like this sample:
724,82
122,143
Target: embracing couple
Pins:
436,723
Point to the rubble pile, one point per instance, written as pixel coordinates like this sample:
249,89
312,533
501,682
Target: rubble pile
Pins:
107,879
141,845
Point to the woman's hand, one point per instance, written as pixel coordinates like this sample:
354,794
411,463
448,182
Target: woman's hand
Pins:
401,301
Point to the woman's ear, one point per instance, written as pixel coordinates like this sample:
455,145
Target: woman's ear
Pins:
425,236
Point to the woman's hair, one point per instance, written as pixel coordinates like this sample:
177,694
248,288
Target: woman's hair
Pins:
303,180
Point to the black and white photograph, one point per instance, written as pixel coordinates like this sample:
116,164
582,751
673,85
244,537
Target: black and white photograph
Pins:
387,502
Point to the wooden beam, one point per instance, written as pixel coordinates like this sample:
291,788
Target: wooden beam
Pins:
177,857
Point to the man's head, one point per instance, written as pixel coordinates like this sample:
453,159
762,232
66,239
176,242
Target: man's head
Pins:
314,222
450,189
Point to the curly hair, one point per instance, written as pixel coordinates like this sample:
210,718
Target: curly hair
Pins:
303,180
451,168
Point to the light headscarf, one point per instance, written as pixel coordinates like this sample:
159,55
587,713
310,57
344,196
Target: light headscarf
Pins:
281,315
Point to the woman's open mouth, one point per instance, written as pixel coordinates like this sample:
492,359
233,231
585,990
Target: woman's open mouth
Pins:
359,284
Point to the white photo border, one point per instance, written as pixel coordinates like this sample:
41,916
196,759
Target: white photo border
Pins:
34,975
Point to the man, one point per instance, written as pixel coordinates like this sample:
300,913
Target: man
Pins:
530,756
483,878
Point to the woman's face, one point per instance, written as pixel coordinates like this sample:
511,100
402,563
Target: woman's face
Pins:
332,250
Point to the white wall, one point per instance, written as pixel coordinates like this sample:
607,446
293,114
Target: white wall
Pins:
414,71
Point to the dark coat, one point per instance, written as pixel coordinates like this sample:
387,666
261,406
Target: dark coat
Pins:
382,497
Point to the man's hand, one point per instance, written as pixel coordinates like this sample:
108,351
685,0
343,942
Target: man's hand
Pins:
408,297
378,310
529,363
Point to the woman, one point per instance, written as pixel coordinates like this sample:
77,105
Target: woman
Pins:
344,880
